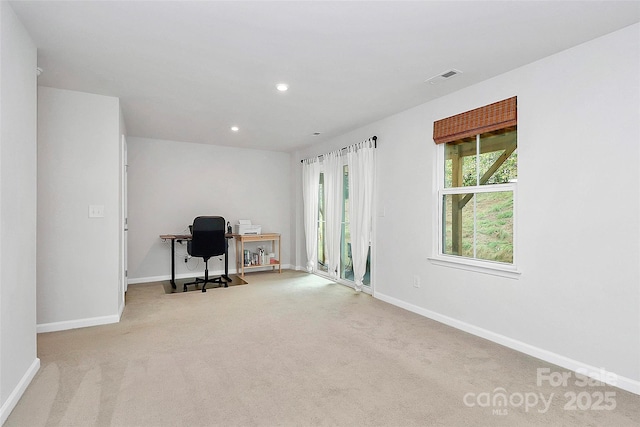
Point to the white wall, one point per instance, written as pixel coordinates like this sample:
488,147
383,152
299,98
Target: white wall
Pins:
170,183
577,301
18,361
78,166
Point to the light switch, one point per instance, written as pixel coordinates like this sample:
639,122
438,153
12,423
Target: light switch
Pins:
96,211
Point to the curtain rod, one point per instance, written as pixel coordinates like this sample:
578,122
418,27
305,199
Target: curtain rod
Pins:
375,145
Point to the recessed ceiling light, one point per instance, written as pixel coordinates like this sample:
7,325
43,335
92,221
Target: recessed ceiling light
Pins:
282,87
235,128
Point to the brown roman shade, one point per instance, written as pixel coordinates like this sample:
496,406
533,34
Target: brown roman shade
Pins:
491,117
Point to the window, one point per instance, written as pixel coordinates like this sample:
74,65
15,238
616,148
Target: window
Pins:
477,184
477,199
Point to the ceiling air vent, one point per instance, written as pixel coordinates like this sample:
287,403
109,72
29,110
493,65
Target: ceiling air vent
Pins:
443,76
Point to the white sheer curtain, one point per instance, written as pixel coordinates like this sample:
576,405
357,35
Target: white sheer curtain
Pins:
361,164
310,188
333,181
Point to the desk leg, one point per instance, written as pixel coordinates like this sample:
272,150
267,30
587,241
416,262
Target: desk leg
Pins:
226,262
237,243
273,249
242,262
173,263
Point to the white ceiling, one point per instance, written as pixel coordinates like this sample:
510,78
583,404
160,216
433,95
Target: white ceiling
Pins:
188,71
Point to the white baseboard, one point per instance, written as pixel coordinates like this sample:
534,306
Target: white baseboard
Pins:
193,274
17,392
189,275
78,323
150,279
611,378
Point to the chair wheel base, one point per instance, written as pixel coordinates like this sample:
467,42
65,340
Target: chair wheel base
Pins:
222,283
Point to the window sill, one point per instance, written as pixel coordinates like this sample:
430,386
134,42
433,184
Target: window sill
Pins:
484,267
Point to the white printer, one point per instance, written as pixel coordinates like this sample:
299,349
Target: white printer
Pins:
244,226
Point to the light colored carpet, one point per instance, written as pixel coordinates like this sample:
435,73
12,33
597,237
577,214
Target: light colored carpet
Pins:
292,349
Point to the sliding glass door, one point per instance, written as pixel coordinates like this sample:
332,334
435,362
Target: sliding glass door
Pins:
322,222
346,262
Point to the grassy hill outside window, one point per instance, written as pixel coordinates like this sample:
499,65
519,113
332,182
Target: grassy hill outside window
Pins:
477,183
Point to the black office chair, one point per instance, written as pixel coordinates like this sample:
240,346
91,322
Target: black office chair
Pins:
207,240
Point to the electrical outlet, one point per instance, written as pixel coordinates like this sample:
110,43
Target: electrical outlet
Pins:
96,211
186,258
416,281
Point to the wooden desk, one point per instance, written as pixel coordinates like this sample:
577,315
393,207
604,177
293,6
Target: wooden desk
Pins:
180,238
266,237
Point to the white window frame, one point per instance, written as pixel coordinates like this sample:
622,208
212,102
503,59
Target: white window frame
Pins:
460,262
